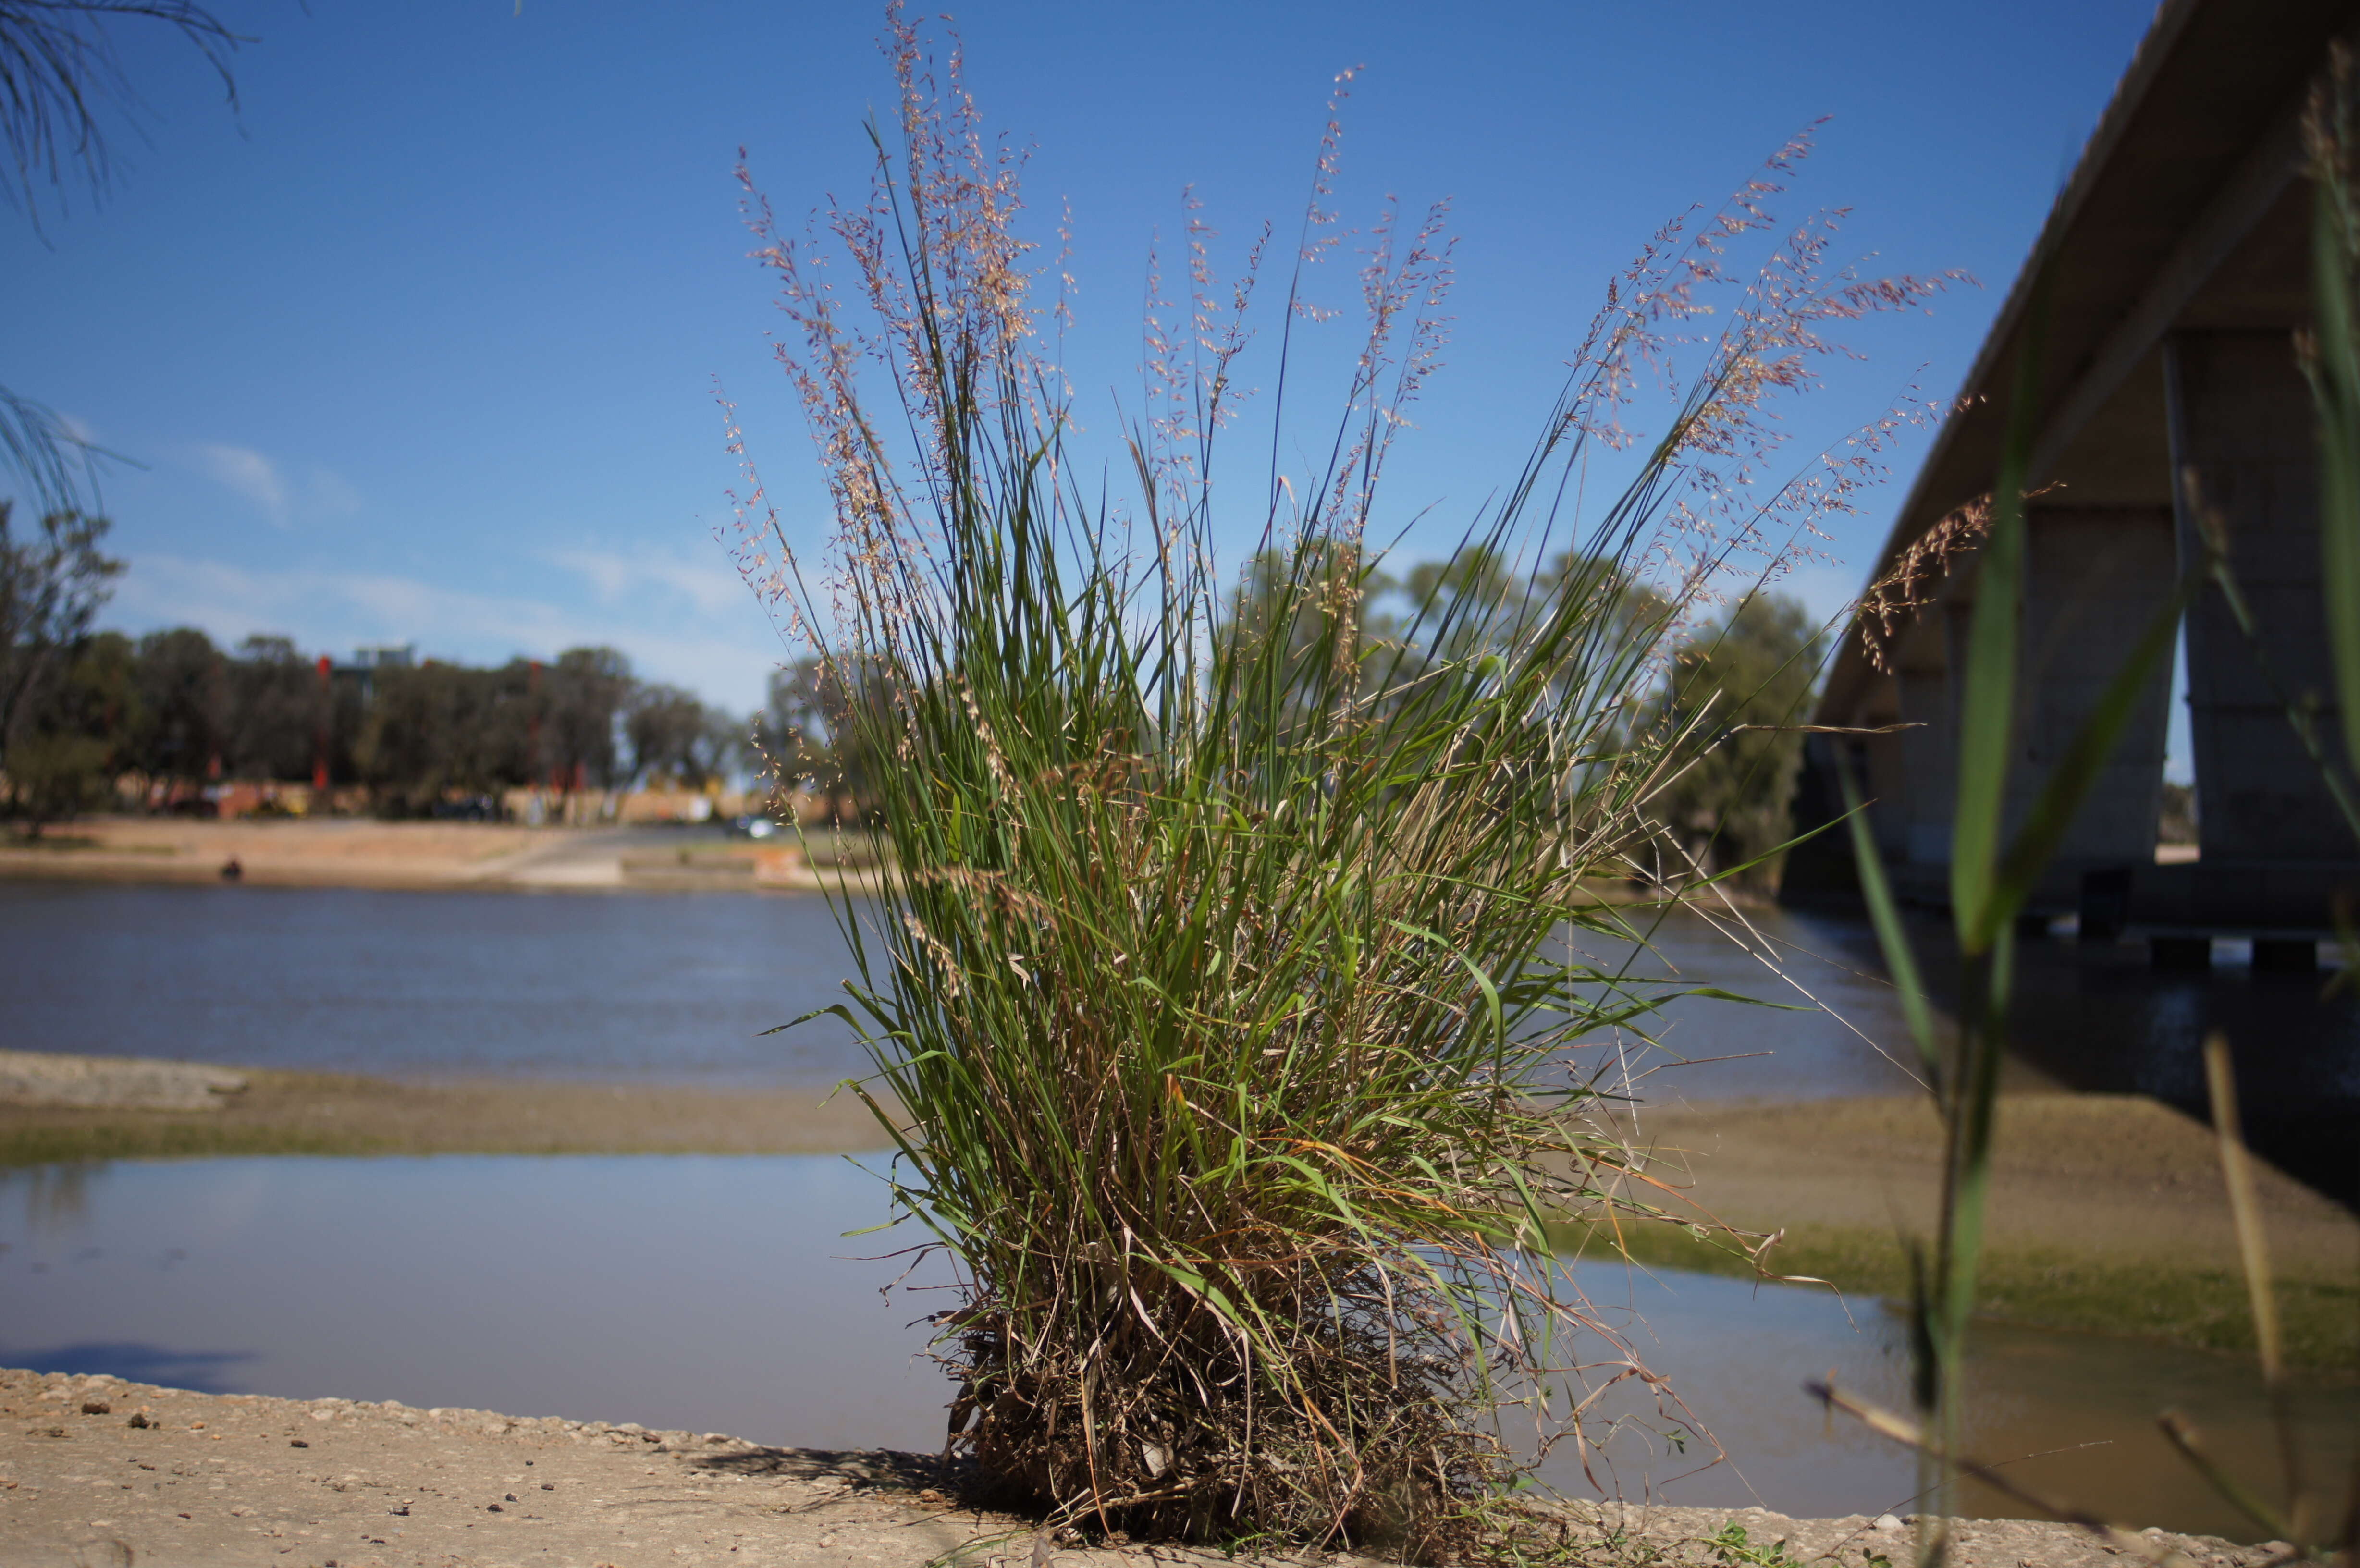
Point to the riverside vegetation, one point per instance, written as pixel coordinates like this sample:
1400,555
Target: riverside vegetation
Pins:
1217,1023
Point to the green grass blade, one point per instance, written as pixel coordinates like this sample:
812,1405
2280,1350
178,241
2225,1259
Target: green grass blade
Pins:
1987,712
2086,755
1885,915
2333,367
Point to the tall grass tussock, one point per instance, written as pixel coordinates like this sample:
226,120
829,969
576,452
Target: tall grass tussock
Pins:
1224,1018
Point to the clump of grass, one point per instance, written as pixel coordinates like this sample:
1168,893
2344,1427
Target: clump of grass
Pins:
1217,1020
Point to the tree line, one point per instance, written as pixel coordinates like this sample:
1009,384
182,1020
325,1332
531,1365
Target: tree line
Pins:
83,710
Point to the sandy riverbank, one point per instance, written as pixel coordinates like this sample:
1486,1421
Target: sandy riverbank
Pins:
2108,1212
318,1112
209,1481
362,853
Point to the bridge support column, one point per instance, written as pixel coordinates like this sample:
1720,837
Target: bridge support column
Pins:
2095,579
2244,471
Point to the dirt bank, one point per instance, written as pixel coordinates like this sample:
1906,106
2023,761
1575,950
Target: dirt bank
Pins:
208,1481
358,852
307,1113
2108,1212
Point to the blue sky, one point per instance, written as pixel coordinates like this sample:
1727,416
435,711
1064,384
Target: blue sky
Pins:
421,346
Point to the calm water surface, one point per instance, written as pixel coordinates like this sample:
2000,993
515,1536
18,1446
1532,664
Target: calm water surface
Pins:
623,986
678,987
719,1295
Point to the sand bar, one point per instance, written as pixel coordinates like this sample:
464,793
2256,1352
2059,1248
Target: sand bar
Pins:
97,1470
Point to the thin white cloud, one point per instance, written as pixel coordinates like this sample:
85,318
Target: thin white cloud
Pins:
724,656
248,472
618,579
319,492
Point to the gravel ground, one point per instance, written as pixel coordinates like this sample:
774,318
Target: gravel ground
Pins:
97,1471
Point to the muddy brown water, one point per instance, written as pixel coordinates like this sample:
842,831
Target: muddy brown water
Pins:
719,1293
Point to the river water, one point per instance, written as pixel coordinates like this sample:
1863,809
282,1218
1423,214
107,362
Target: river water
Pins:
680,987
721,1293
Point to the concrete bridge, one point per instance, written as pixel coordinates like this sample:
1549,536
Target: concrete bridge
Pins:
2172,401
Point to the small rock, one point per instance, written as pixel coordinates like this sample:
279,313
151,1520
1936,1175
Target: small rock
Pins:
297,1443
509,1496
96,1407
138,1420
1886,1522
494,1509
549,1486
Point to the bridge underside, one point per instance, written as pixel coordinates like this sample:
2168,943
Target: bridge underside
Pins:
2175,412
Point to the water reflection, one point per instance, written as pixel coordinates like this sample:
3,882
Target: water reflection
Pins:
719,1294
2101,1017
2070,1415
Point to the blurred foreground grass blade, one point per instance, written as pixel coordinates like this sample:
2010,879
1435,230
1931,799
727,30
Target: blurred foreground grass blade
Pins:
2189,1445
1987,712
2086,757
1892,937
1969,1083
2331,361
2254,1259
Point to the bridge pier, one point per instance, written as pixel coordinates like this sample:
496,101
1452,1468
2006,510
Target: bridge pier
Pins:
2244,467
2095,579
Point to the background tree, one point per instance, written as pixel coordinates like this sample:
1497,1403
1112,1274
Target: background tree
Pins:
809,741
444,736
1746,679
670,733
75,738
274,711
678,738
51,585
583,694
182,707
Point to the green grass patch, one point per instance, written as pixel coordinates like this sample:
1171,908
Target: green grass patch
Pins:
2042,1287
174,1139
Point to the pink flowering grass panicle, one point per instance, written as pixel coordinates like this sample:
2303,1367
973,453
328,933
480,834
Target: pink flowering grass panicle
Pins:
1215,987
